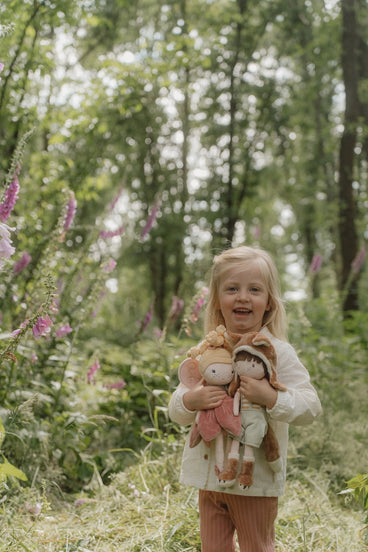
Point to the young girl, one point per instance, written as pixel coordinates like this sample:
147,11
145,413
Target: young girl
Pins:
244,296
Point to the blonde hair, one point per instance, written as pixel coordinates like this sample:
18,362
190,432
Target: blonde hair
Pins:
275,318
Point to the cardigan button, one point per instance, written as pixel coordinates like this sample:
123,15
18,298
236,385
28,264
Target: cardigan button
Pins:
206,457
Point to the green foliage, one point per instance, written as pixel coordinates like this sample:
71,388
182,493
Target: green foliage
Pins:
203,112
6,469
358,487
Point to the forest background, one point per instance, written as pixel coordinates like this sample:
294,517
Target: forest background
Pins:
139,138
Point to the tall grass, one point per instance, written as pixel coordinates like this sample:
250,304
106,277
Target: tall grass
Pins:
145,509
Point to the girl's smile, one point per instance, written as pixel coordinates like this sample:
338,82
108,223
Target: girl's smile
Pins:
243,298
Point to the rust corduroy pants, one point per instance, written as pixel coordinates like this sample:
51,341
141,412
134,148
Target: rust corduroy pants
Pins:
252,517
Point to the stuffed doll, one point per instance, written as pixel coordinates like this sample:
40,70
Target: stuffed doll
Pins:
214,367
254,356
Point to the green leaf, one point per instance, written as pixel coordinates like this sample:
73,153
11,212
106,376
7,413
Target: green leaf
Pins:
10,470
2,433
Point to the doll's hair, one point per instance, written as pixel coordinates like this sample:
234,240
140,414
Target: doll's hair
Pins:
246,355
275,318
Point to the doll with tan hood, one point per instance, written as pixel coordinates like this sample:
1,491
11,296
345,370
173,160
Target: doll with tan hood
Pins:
253,356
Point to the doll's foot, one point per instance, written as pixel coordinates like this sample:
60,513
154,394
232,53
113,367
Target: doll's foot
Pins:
276,465
246,474
227,477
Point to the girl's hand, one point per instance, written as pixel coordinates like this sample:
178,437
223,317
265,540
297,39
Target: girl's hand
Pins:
258,391
204,397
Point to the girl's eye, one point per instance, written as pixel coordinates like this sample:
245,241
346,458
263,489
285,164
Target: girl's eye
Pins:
233,288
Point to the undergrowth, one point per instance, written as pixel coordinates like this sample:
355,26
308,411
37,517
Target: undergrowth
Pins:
144,508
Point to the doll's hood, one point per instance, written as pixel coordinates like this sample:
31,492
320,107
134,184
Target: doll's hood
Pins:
259,345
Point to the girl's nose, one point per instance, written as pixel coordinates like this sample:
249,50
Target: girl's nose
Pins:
243,294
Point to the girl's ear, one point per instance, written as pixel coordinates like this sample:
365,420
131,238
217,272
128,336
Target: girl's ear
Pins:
189,374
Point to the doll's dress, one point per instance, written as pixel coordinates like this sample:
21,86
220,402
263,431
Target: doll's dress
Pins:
210,423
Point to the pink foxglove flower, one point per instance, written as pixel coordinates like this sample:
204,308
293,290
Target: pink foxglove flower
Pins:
63,330
42,327
111,233
315,264
6,248
199,304
22,263
117,385
151,219
92,372
357,263
11,196
70,211
116,198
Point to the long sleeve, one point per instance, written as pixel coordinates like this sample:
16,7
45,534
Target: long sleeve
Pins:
177,411
299,405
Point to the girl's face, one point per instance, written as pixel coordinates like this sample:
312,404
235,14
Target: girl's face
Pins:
243,298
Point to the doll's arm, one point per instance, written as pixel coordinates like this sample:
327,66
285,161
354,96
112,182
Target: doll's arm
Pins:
236,404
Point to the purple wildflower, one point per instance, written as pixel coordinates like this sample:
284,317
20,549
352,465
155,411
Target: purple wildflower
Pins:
111,233
117,385
22,263
42,327
357,263
22,326
81,501
54,307
92,372
199,304
109,266
116,198
177,305
147,319
98,306
11,196
315,264
257,232
70,211
34,509
6,248
63,330
151,220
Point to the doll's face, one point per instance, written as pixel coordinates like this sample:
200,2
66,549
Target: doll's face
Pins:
252,367
219,374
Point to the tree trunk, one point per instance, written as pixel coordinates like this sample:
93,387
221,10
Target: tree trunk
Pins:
347,208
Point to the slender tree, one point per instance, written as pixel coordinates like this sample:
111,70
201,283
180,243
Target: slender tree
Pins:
347,205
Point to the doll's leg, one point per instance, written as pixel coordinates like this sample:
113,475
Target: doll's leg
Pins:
228,476
247,467
220,455
272,450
